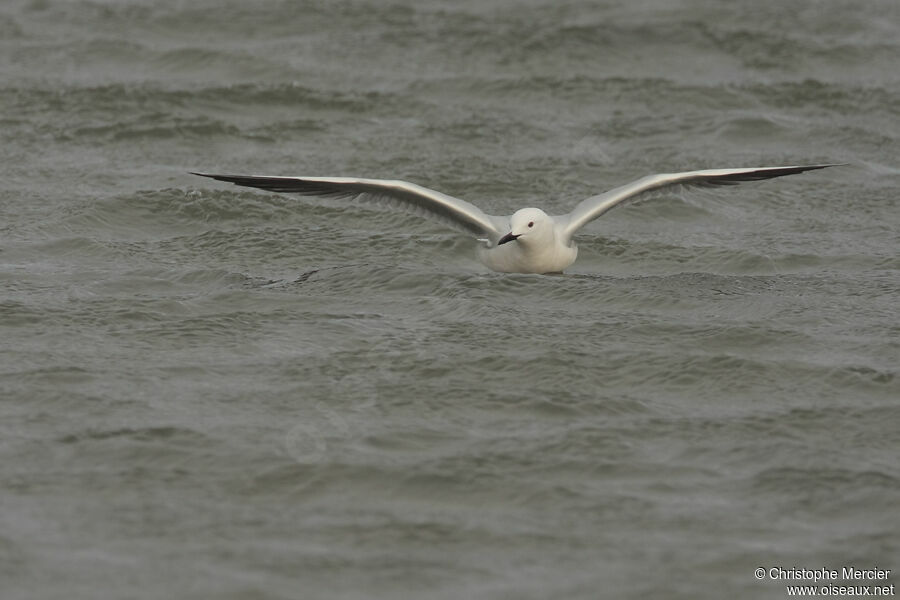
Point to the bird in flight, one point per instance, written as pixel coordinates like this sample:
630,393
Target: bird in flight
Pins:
529,240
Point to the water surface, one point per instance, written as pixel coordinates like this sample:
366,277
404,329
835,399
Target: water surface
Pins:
209,391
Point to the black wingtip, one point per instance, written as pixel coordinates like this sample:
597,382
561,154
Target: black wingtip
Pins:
272,184
236,179
766,173
814,167
804,168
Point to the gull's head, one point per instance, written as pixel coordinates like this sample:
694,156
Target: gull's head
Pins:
528,225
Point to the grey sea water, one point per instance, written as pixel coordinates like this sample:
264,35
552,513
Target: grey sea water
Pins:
212,392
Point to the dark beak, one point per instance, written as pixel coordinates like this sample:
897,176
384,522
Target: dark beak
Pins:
509,237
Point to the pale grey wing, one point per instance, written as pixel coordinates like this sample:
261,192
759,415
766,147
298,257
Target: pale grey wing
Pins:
459,214
593,207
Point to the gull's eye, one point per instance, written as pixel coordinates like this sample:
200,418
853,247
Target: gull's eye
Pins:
531,223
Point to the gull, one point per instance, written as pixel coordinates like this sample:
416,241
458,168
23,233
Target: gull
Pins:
529,240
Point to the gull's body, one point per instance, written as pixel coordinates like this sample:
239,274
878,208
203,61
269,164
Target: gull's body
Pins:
529,240
541,248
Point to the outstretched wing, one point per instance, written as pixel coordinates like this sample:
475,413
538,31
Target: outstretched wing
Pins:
459,214
591,208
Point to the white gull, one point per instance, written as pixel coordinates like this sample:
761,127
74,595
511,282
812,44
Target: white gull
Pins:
529,240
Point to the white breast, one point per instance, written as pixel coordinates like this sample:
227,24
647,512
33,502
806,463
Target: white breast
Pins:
518,258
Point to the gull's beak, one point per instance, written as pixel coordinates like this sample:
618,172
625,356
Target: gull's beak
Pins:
509,237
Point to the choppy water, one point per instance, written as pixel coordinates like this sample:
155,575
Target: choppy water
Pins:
213,392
